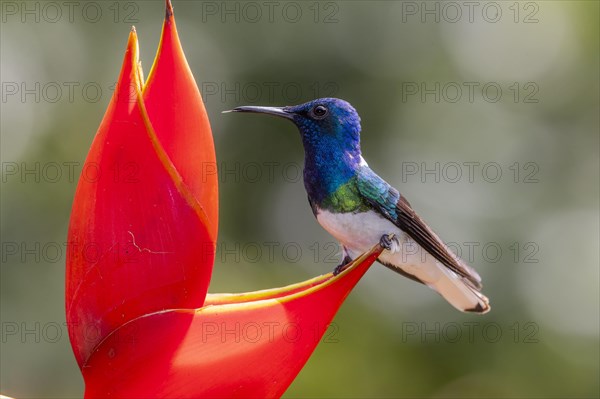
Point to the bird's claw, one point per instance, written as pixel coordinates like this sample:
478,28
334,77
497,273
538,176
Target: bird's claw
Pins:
387,242
342,266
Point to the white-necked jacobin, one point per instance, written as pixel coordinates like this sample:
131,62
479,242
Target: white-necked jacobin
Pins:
359,208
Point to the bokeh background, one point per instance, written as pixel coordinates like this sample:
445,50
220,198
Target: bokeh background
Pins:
485,115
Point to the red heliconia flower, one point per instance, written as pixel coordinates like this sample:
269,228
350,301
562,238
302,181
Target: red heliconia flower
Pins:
141,251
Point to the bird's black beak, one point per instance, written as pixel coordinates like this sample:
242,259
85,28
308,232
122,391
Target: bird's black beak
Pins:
276,111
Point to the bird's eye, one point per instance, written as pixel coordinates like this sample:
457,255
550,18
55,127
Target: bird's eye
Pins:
319,112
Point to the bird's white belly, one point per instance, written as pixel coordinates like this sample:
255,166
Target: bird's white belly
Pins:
358,232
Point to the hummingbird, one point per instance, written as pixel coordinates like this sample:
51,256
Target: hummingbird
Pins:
357,207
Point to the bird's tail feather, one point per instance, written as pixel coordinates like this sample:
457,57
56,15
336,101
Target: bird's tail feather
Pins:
460,293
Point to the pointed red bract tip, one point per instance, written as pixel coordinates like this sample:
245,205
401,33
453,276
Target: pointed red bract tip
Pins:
168,10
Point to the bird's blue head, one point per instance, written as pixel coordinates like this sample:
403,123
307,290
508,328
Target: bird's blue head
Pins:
327,125
330,130
327,122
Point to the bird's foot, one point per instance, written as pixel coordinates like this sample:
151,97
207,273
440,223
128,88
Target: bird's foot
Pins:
390,242
342,266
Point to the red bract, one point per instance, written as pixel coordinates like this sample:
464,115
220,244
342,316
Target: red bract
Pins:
139,237
246,345
178,116
141,250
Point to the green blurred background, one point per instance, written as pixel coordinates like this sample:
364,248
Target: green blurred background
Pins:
533,116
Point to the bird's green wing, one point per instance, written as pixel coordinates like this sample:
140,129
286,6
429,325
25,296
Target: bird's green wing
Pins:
394,207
